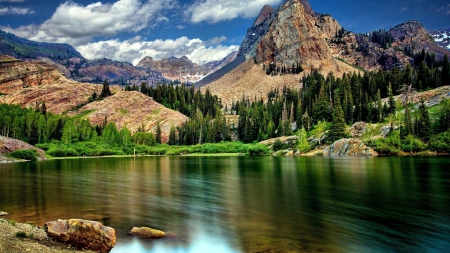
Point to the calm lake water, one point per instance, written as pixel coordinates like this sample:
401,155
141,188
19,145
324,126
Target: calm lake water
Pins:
244,204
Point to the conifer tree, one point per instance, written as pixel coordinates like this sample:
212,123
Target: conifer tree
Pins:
172,136
106,92
337,129
158,134
423,122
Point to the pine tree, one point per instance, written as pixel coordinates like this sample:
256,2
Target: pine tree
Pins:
106,92
445,74
158,134
172,136
337,129
423,122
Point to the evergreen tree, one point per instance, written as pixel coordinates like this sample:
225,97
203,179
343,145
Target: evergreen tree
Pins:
445,74
337,129
33,137
158,134
106,92
423,122
172,136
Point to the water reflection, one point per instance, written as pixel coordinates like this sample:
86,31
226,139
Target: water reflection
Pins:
244,204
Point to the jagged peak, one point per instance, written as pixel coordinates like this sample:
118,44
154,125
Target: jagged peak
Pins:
263,14
304,3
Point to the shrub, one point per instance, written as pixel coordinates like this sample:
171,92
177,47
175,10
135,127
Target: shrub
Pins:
412,144
62,152
277,145
258,150
26,154
440,142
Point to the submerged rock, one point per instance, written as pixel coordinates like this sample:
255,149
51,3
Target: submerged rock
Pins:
85,234
147,233
349,147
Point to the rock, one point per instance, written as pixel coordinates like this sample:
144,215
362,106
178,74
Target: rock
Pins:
8,145
85,234
147,233
358,129
3,213
289,140
349,147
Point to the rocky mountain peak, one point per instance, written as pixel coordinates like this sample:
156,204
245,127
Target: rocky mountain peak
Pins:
288,35
265,12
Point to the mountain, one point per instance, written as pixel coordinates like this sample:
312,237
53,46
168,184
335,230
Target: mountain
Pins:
293,34
29,83
442,37
21,48
183,69
116,72
70,62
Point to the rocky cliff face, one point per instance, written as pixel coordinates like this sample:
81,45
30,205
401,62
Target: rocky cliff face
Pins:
292,33
408,38
16,75
182,68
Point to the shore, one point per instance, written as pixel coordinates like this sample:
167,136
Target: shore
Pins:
20,238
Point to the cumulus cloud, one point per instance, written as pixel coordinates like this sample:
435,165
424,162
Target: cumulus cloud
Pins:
77,24
135,49
213,11
14,10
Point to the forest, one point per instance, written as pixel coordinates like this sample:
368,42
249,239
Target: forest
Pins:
325,107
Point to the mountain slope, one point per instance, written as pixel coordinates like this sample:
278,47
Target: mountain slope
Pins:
442,37
21,48
183,69
62,95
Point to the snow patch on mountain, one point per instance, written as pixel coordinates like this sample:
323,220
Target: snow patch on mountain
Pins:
442,37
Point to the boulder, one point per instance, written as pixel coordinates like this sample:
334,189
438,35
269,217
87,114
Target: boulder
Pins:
147,233
358,129
84,234
349,147
3,213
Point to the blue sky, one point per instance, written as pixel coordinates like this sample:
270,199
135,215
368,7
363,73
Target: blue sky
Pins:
203,30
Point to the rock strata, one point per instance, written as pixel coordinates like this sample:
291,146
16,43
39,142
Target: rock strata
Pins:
85,234
349,147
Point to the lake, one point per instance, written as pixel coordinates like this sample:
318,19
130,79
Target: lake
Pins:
244,204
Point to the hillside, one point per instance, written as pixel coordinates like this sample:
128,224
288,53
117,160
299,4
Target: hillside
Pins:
250,80
21,48
62,95
134,110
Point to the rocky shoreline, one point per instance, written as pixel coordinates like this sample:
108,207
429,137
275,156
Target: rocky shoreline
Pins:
21,237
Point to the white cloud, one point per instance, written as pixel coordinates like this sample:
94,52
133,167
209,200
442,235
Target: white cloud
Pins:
14,10
214,11
135,49
77,24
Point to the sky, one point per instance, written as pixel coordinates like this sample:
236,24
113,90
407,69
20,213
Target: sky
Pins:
202,30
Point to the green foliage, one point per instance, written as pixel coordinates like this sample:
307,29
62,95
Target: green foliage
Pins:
258,150
338,127
62,152
278,145
390,145
303,145
25,154
412,144
143,138
440,142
